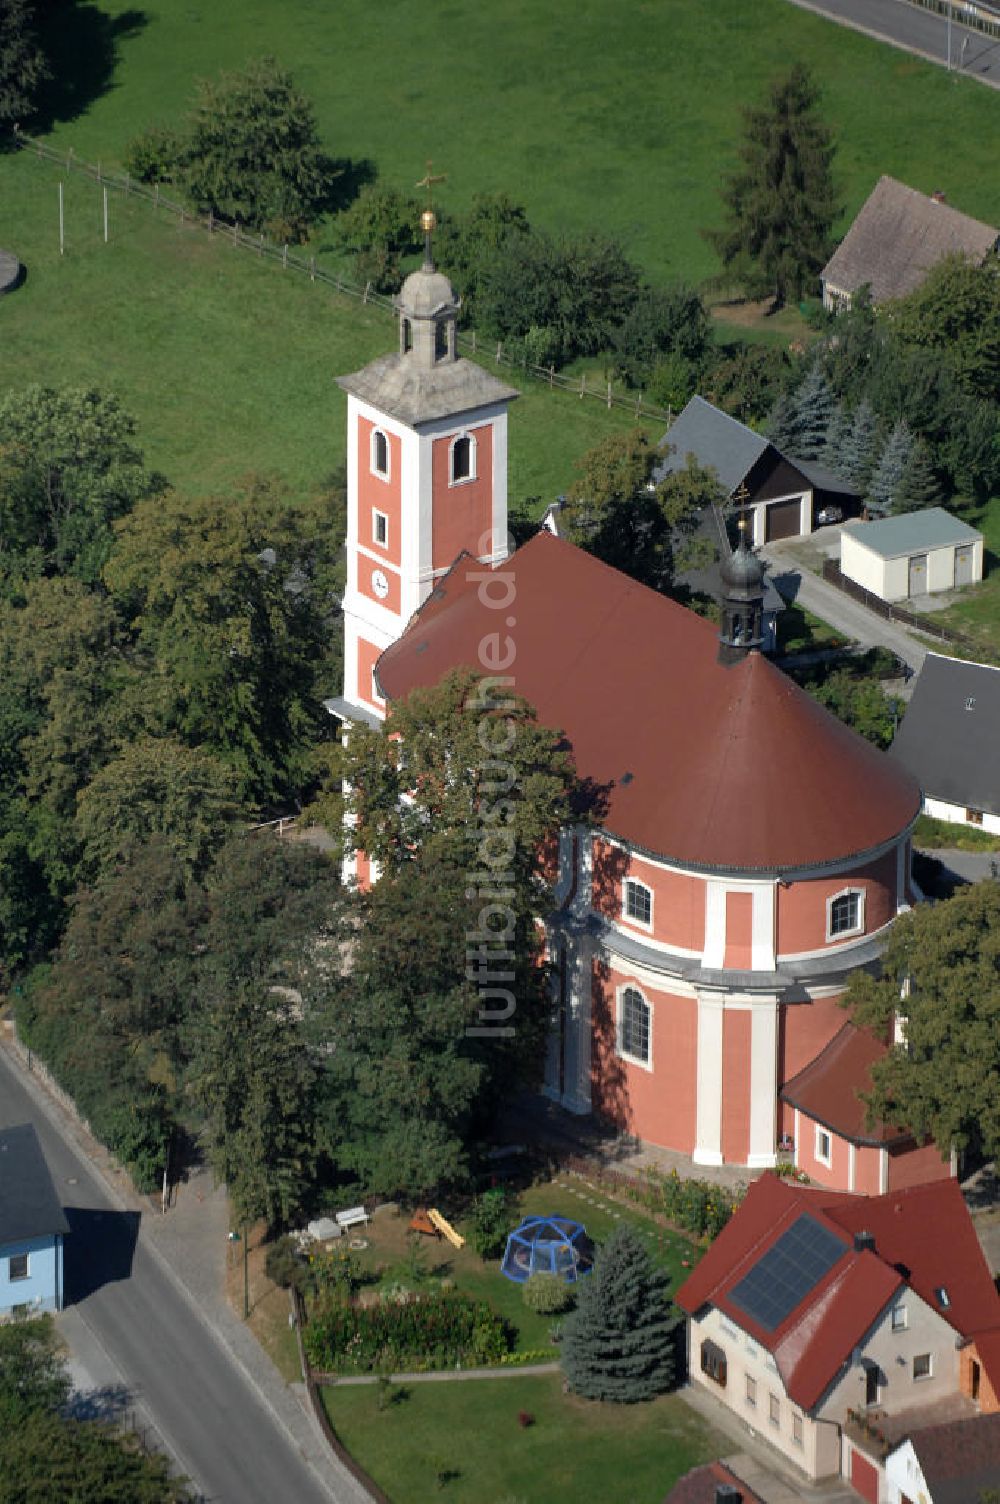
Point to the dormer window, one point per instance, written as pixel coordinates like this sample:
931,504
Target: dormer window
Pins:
463,458
638,905
380,454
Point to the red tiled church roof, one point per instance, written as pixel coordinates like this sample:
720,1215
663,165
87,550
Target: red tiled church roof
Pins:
731,767
923,1236
827,1089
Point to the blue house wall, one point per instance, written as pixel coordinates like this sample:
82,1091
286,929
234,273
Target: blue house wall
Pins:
43,1288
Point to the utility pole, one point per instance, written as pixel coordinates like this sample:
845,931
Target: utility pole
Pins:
951,7
246,1271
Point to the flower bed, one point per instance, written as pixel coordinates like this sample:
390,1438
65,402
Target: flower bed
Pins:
419,1334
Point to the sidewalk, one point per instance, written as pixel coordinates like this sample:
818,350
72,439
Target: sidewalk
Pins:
190,1243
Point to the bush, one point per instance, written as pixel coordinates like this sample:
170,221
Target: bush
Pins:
435,1331
547,1294
283,1264
492,1214
154,156
380,227
698,1206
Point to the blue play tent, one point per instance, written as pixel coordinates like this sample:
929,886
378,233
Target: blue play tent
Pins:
548,1245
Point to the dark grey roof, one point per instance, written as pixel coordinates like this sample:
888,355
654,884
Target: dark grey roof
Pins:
898,235
950,749
29,1206
960,1458
913,532
400,386
822,478
714,438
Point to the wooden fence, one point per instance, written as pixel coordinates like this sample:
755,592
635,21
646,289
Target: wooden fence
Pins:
832,572
289,260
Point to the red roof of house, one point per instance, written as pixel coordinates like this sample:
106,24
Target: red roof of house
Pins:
698,1486
731,767
923,1236
827,1090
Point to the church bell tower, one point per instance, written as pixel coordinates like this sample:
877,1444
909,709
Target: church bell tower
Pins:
426,476
742,628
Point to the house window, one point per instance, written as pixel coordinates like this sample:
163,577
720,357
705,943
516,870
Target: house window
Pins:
17,1266
751,1392
713,1363
376,692
922,1366
899,1318
824,1147
463,458
796,1429
633,1027
845,913
974,816
638,902
380,529
774,1410
380,454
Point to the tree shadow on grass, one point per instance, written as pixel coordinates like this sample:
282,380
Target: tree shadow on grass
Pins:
82,46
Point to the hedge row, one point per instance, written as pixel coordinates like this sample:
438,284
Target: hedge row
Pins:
433,1331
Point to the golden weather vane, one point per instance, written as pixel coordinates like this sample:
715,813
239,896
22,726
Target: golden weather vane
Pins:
428,220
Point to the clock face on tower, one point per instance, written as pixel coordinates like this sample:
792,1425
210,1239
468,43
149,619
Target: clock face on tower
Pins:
380,584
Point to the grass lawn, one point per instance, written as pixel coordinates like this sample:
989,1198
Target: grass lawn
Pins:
609,116
227,362
576,1450
937,835
801,632
977,614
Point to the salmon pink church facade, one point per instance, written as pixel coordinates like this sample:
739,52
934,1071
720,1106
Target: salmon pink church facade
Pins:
752,851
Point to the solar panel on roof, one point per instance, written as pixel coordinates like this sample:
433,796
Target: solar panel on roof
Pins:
784,1276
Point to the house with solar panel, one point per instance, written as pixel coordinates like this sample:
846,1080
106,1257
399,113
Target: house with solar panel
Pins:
752,851
830,1323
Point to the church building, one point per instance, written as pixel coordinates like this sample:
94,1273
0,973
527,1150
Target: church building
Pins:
753,851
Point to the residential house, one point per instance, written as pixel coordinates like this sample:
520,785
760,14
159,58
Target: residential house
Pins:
946,1464
781,497
895,240
814,1316
914,553
32,1227
948,740
715,1483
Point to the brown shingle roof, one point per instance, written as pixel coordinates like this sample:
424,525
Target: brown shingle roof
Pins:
960,1459
698,1486
827,1089
898,235
731,768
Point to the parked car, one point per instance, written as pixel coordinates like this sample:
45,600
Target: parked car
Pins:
829,514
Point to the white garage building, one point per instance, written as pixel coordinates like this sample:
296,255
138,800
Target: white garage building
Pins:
916,553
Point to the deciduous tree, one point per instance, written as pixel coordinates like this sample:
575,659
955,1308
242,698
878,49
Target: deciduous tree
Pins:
943,1080
780,203
22,62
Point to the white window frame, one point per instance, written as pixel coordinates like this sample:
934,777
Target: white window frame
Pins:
921,1378
900,1319
636,882
824,1159
859,926
750,1391
647,1064
385,474
774,1409
463,480
798,1429
16,1278
384,516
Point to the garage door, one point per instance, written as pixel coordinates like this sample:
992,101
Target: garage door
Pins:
784,520
963,564
864,1477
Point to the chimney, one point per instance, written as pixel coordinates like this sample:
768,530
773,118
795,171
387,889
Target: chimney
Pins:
725,1493
938,196
863,1240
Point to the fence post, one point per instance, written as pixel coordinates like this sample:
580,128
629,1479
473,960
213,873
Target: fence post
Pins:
638,405
284,256
368,288
609,396
260,248
156,195
211,221
127,189
236,230
312,268
473,341
499,352
552,375
583,383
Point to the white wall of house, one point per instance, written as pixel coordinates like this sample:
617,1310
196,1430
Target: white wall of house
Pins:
898,1355
861,564
958,814
890,578
904,1476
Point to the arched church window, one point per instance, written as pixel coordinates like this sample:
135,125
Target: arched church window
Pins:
638,902
845,913
380,453
463,458
407,336
634,1026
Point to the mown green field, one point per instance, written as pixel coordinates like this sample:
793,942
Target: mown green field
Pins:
597,114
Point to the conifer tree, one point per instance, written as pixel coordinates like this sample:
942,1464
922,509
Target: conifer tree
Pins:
782,426
814,406
858,456
837,434
619,1342
918,486
889,472
780,203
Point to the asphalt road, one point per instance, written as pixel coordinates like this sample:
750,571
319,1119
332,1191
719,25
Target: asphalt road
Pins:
917,30
225,1438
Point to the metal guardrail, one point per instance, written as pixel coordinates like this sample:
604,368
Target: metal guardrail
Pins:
259,245
973,14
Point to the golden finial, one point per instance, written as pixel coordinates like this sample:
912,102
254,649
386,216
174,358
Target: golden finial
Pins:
428,220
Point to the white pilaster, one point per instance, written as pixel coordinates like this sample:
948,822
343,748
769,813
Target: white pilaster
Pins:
763,1083
762,937
883,1172
579,1029
708,1120
714,953
852,1166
